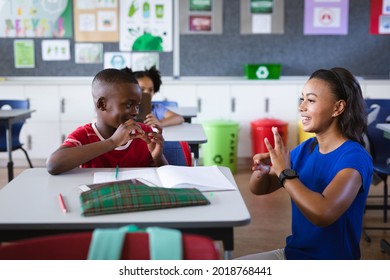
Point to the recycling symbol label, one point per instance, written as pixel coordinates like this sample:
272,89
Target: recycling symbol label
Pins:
262,72
217,159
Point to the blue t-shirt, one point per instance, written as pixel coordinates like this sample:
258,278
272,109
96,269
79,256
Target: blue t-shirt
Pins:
339,240
159,111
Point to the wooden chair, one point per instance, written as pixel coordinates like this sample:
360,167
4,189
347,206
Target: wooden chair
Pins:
75,246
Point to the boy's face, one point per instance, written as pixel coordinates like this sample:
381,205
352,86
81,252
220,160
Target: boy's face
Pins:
121,103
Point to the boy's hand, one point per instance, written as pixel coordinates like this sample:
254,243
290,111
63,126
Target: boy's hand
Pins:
127,131
155,142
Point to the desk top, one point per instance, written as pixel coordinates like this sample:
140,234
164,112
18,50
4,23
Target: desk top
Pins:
384,126
189,132
186,112
15,113
30,201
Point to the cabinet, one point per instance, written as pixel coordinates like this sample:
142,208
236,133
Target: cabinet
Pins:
213,102
185,95
252,102
380,89
76,107
40,132
42,128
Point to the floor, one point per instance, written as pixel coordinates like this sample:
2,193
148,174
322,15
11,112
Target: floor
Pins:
271,218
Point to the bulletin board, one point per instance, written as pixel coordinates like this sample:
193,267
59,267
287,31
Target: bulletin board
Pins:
225,54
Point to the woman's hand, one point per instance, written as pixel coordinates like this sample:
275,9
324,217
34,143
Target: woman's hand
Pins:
280,157
261,164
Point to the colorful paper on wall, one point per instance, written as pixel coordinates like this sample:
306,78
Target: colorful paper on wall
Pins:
88,53
55,50
146,25
141,61
96,21
24,54
36,19
380,17
262,16
201,5
117,60
326,17
201,17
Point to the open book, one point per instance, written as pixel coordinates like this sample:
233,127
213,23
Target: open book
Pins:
204,178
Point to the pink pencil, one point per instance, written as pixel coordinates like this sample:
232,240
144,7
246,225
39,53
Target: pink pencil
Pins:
62,202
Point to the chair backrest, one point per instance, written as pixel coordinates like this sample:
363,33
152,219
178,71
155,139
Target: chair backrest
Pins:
378,112
7,104
178,153
166,103
75,246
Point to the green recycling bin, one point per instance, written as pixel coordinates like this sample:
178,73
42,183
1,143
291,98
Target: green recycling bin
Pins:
221,146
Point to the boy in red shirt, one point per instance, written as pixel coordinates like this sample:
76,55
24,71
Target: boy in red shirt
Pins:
116,139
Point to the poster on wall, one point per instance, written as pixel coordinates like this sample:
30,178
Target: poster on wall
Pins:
200,17
24,54
326,17
141,61
36,19
380,17
96,21
146,25
55,50
88,53
262,16
117,60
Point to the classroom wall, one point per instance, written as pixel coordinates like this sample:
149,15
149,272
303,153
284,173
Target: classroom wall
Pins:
225,55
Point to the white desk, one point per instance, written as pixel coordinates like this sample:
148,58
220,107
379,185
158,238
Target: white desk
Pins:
8,118
386,128
29,206
194,134
186,112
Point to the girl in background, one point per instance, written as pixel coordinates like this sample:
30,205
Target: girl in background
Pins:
150,82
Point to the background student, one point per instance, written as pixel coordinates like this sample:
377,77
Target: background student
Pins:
327,177
115,139
150,82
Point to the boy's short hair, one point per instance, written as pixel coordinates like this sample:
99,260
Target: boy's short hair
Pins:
112,75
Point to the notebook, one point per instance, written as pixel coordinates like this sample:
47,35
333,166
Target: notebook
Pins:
204,178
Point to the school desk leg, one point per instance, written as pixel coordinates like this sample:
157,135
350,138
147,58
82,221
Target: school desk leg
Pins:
195,150
10,165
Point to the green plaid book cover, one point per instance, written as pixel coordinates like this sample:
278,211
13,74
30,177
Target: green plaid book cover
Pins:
124,196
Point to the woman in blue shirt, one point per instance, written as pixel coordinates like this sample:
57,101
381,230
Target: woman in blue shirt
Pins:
327,177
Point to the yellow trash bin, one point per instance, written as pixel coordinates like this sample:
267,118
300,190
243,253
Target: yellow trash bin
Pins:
303,135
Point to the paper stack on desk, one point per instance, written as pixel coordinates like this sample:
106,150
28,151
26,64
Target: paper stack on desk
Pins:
204,178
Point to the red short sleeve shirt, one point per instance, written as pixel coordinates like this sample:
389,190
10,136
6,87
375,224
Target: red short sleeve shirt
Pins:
134,153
